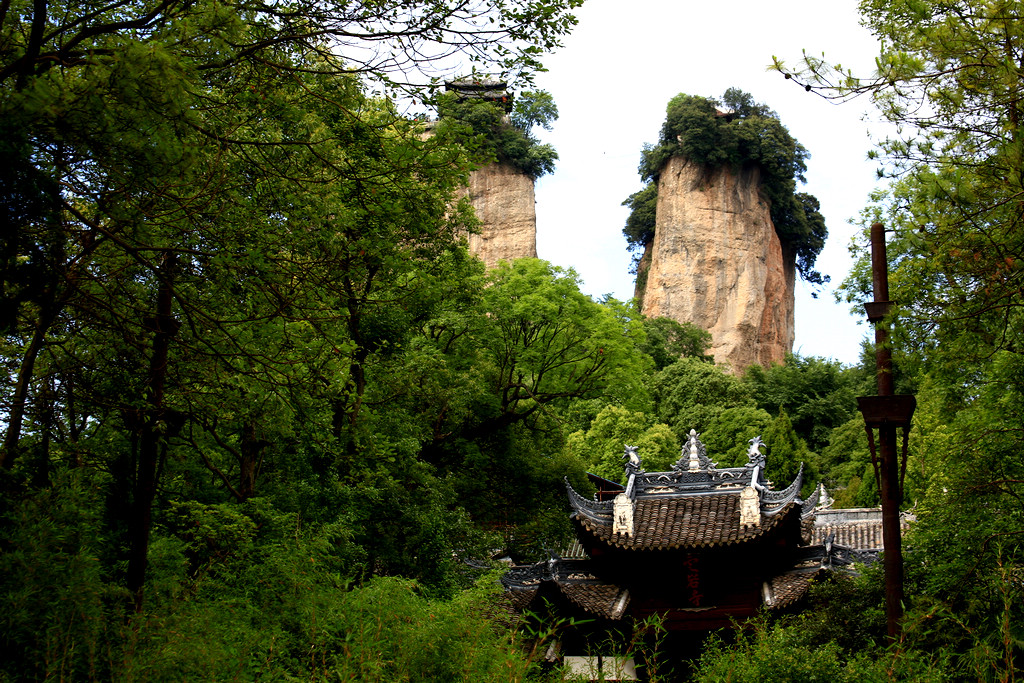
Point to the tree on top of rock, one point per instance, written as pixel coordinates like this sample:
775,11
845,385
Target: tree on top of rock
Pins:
733,132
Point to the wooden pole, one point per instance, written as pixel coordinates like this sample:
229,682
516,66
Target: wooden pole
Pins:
888,418
891,493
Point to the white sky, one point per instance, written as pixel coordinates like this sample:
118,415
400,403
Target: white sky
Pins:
612,80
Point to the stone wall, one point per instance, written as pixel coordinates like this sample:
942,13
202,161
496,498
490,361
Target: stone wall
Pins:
503,199
717,262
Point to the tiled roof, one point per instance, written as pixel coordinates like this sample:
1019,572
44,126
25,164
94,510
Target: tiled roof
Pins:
857,528
685,522
695,504
575,579
790,587
602,599
521,596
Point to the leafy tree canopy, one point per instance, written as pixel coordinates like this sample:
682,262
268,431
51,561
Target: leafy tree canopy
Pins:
485,128
667,340
641,222
817,394
690,393
601,447
948,78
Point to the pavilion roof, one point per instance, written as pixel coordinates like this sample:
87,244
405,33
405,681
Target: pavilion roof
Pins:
481,88
695,505
685,522
580,581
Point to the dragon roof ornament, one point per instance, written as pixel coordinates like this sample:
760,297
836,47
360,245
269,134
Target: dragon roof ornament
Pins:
632,460
755,458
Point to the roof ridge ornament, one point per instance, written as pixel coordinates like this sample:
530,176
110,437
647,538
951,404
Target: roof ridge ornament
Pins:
633,460
755,457
694,457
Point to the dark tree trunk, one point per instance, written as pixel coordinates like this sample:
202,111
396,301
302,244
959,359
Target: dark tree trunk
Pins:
151,440
250,456
9,450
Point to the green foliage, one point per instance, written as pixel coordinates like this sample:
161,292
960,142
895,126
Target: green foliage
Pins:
601,446
236,335
534,108
787,452
953,166
511,480
235,594
547,341
53,590
846,466
484,128
818,394
728,434
846,610
766,652
973,494
743,133
641,222
690,393
948,78
668,340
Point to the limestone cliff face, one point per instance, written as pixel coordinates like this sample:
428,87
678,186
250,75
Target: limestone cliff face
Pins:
504,203
717,262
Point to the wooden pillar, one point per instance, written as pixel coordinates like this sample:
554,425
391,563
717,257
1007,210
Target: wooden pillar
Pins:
888,413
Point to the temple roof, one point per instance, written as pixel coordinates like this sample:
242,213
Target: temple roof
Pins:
481,88
857,528
581,583
684,522
696,504
694,507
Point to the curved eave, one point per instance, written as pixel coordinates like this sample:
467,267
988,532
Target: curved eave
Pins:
774,502
811,503
787,589
599,512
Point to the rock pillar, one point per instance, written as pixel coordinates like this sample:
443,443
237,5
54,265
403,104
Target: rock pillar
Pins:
717,262
504,202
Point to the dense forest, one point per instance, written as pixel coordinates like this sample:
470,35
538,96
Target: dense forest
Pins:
263,416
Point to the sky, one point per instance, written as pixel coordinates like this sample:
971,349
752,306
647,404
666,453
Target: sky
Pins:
612,81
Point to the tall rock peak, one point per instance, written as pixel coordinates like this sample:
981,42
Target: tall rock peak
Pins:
504,202
502,193
717,262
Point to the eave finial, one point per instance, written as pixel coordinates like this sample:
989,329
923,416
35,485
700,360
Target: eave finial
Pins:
824,500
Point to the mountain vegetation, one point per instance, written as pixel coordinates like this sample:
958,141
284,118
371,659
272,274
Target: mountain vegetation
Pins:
263,416
484,127
731,133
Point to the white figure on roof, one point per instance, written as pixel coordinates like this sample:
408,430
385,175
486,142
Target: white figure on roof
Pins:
755,458
754,452
693,464
630,453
